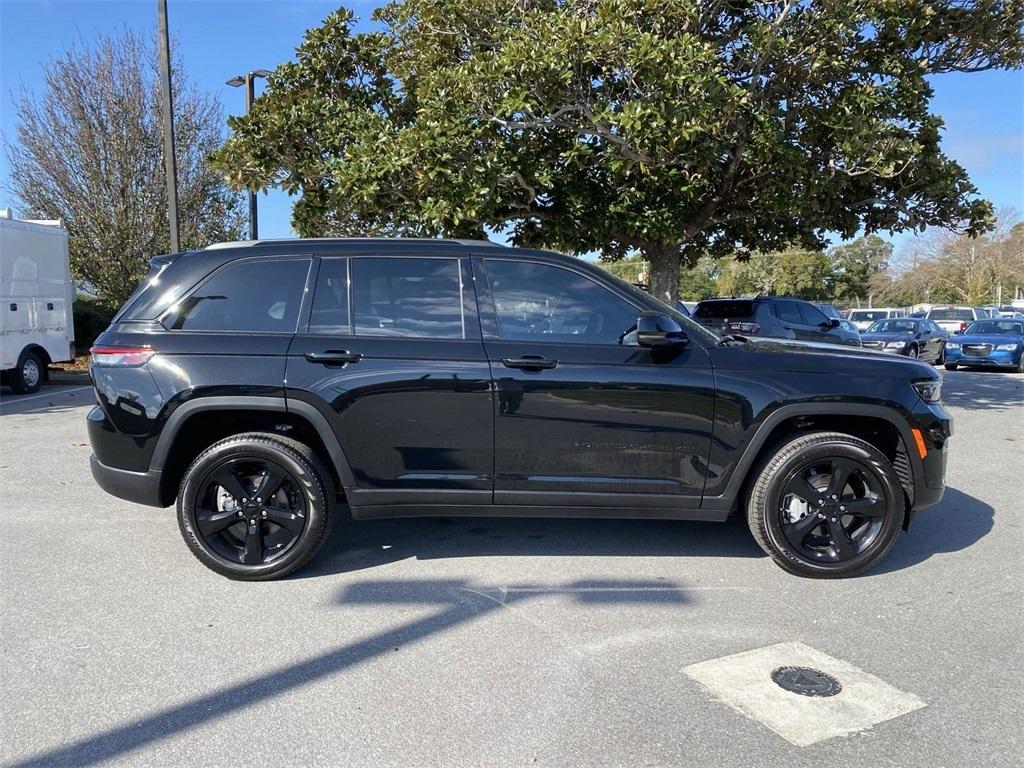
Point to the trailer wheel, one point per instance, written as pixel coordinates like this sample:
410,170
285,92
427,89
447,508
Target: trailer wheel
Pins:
27,377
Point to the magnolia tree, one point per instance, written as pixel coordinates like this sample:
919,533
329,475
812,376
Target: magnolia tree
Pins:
668,129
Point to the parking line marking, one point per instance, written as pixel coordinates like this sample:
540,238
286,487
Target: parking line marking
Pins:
6,401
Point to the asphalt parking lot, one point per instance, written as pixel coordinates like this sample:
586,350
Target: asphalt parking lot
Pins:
495,642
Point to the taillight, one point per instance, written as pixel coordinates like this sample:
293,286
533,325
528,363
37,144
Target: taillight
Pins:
743,327
121,356
963,325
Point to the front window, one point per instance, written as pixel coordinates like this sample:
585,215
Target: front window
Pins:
996,327
893,326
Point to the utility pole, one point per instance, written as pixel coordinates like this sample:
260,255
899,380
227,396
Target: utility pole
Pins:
170,163
249,81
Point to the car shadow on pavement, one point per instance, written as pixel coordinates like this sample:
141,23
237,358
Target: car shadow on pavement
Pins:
457,602
982,390
355,545
955,523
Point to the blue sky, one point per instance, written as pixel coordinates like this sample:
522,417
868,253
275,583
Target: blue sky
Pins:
984,112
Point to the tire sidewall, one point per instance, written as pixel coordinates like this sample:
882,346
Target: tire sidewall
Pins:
18,383
307,480
881,473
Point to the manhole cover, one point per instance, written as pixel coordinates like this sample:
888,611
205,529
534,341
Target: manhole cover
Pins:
806,681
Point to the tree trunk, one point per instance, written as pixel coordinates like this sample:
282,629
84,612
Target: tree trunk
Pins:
665,274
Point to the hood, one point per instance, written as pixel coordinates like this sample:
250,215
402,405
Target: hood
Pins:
987,338
768,354
902,336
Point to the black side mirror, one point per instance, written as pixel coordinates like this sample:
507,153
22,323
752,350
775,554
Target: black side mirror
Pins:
834,322
654,329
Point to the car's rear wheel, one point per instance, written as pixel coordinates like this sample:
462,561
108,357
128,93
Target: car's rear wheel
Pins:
826,505
28,376
255,506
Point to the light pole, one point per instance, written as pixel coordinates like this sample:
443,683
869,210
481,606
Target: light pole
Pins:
249,81
167,108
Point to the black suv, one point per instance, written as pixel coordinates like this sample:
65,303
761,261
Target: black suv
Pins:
778,317
259,384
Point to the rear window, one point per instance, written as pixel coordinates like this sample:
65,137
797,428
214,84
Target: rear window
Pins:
868,314
951,314
724,309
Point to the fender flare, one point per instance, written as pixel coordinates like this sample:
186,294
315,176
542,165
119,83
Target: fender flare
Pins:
183,412
760,438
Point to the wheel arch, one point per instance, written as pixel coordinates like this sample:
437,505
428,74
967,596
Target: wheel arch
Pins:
876,424
197,424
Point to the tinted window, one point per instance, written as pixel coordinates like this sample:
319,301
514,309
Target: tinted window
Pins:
788,312
540,302
999,327
861,315
330,302
893,326
812,315
250,296
724,309
951,314
407,297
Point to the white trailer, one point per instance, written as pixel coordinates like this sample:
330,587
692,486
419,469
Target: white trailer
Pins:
36,298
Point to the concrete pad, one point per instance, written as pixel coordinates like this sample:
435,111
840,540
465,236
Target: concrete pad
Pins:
744,682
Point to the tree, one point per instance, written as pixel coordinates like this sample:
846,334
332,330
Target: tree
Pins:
89,151
669,128
857,263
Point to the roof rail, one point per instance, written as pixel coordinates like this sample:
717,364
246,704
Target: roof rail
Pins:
286,240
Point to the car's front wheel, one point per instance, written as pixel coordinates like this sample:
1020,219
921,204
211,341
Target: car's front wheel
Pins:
255,506
826,505
950,366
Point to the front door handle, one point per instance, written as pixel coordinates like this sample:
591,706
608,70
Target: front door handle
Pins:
529,363
334,357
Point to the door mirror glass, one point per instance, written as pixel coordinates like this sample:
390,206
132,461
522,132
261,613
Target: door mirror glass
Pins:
656,330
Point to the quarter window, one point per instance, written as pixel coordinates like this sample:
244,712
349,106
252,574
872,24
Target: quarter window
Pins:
540,302
248,297
414,297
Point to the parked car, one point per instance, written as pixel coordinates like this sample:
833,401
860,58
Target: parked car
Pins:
988,343
911,337
255,384
777,317
953,319
37,325
863,318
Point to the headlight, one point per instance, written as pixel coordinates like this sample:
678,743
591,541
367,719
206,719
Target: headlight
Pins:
929,390
952,345
894,345
1007,347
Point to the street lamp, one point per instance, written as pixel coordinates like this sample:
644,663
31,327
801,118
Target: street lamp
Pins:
249,80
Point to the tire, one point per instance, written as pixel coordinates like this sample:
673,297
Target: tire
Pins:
940,359
1020,364
843,543
950,366
255,539
28,376
912,353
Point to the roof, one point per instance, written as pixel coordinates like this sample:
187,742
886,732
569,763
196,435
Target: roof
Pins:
352,241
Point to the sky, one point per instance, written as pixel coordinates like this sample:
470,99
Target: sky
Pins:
217,39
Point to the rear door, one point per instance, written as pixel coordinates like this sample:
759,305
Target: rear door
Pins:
392,356
585,418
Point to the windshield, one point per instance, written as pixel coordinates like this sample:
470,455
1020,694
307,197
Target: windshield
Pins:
951,314
893,326
997,327
868,314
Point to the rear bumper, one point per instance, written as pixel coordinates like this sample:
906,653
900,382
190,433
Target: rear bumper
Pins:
139,487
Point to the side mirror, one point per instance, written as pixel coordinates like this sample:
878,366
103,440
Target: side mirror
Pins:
656,330
835,322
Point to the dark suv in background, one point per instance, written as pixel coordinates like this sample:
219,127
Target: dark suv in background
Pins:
258,384
778,317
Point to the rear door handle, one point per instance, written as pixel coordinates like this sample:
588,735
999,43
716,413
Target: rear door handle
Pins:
334,357
529,363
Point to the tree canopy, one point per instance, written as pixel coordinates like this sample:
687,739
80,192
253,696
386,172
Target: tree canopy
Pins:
666,128
89,151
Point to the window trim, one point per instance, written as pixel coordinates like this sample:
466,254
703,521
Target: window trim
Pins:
308,258
493,308
457,258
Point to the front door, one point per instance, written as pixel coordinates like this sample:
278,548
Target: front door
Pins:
397,365
583,416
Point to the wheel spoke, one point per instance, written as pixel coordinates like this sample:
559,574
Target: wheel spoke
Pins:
271,481
797,531
211,522
801,487
866,507
841,542
840,474
253,545
230,482
287,518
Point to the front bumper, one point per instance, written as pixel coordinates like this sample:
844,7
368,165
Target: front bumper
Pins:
997,358
936,427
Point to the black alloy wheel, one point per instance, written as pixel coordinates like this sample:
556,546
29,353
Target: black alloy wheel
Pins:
826,505
255,506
